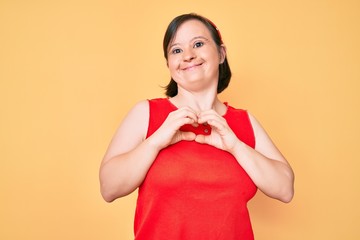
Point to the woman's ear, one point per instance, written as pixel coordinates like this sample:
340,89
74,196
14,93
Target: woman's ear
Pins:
222,53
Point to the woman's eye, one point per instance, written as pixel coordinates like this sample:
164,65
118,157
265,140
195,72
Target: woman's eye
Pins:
176,50
198,44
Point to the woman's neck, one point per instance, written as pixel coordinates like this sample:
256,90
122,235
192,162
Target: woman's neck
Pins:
197,101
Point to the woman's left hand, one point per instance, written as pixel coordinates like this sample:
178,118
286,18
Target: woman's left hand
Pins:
221,136
265,165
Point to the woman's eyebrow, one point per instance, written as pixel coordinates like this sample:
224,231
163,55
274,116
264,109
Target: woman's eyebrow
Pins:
194,38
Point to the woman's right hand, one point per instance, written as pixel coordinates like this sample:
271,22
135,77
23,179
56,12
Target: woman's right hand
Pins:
168,133
130,154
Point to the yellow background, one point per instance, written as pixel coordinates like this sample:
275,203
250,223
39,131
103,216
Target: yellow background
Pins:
70,70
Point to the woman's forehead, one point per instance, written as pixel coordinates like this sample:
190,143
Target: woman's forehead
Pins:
191,29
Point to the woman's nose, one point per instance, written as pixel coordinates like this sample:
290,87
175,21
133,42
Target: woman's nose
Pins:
189,54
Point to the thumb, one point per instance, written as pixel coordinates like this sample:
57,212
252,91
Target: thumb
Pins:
201,139
187,136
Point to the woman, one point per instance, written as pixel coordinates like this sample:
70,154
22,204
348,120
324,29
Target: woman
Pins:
196,160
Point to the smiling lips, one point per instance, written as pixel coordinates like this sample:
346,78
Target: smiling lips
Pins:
191,67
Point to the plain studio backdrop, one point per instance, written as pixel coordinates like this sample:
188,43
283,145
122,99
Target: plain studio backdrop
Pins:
70,71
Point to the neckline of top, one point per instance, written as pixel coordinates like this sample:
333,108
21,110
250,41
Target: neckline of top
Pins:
223,115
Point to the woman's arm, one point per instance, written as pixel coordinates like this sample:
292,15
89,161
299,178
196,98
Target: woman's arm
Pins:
265,164
130,154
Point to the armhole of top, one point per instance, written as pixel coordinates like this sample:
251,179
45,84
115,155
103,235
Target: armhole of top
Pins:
251,127
149,117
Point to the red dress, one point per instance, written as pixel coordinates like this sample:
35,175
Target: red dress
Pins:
195,191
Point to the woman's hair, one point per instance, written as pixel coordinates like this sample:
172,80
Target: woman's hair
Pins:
224,68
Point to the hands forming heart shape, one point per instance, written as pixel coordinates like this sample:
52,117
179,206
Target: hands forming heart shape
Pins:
198,129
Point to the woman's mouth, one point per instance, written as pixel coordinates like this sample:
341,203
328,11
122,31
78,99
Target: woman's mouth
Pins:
190,67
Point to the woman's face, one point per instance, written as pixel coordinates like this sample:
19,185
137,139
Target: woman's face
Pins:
194,58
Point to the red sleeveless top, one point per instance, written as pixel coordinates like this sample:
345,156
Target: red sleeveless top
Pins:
195,191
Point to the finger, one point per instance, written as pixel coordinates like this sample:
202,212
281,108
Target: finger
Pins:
218,125
201,139
186,112
195,124
181,117
207,116
188,136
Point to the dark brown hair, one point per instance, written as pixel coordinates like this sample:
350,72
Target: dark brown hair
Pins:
224,68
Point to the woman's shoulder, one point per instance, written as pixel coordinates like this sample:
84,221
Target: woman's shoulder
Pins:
235,110
144,107
158,100
140,107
